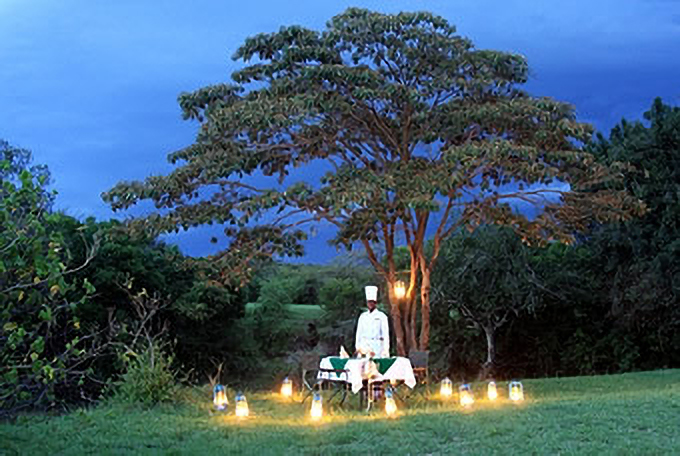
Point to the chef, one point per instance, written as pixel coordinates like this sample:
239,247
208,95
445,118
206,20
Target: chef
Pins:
373,333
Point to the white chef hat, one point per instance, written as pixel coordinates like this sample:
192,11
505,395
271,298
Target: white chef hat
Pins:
371,293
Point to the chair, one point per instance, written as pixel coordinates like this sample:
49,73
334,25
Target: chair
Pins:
313,377
420,364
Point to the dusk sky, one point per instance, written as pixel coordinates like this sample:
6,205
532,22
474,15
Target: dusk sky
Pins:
90,86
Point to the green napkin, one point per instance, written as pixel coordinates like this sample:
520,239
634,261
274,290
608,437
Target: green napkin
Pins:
339,363
384,364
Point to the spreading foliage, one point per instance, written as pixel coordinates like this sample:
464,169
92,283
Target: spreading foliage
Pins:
416,128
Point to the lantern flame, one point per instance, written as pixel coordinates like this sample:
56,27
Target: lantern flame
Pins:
220,399
390,405
287,388
317,408
399,289
446,389
492,391
516,391
241,406
466,396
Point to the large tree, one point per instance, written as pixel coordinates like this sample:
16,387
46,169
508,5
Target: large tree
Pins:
486,277
420,131
642,256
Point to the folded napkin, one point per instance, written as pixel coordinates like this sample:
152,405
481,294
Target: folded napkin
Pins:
343,352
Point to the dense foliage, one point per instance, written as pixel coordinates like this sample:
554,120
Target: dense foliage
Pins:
45,353
610,302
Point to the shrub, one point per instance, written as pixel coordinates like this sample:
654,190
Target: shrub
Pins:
148,378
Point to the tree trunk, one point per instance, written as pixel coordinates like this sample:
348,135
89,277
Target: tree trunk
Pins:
425,309
412,317
488,367
397,324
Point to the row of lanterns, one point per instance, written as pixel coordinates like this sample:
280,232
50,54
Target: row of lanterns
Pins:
467,398
220,401
515,391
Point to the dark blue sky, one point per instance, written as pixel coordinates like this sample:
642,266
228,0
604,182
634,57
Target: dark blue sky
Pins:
91,86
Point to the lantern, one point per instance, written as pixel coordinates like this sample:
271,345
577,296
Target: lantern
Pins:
466,396
241,406
220,397
317,407
492,391
516,391
399,289
446,389
390,405
287,388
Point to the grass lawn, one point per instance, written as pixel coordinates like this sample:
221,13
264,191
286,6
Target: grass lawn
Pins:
618,414
298,315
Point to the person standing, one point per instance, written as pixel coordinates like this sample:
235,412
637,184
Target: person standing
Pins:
373,332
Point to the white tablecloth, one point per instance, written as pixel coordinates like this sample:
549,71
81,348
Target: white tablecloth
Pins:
359,369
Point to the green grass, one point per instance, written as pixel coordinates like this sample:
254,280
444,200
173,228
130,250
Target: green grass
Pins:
619,414
298,315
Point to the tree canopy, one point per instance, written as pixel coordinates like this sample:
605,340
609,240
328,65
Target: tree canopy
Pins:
421,132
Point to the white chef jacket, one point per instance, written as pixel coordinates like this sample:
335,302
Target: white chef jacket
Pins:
373,334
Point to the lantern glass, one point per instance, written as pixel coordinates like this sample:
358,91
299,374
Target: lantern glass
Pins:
492,391
317,407
287,388
220,400
241,406
390,405
466,396
446,389
516,391
399,289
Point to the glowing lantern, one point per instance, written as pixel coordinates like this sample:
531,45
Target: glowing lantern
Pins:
287,388
399,289
220,397
466,396
446,389
390,405
317,407
492,391
241,406
516,391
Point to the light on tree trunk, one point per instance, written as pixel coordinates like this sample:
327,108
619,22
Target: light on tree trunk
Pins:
390,405
287,388
516,391
317,407
466,396
492,391
446,389
241,406
220,400
399,289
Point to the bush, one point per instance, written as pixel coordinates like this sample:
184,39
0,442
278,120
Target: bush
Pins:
148,378
342,299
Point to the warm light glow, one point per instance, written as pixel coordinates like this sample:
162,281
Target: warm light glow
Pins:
446,389
466,396
492,391
399,289
516,391
220,397
390,405
241,406
317,407
287,388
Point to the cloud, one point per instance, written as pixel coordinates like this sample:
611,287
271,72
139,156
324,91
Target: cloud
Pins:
91,87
